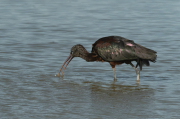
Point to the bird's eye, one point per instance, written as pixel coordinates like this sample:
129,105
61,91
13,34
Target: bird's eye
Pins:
71,52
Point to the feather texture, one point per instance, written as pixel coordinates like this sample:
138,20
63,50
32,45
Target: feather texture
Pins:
116,48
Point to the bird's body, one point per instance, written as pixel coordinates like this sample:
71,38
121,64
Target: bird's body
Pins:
120,50
115,50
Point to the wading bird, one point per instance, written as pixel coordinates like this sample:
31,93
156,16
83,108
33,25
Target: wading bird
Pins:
115,50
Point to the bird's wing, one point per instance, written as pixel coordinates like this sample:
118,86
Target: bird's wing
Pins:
145,53
115,48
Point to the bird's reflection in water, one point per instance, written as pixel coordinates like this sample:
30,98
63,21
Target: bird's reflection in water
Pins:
119,87
115,80
118,99
123,98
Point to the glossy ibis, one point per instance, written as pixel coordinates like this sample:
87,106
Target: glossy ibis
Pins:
115,50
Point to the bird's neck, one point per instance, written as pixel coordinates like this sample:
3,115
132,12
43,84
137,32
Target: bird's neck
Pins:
89,57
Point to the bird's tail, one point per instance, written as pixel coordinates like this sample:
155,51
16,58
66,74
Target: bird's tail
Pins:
145,53
144,56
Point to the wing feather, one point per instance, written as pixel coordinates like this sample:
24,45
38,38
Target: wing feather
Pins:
115,48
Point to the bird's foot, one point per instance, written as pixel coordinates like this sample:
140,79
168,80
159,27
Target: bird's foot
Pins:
57,75
115,79
137,81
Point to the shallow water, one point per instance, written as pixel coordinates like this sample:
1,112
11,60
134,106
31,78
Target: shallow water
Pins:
36,37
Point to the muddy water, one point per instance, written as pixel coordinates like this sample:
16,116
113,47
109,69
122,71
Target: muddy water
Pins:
36,37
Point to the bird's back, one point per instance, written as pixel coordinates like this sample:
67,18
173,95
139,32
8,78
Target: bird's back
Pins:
116,48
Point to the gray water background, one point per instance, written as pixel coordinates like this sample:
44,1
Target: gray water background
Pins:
36,37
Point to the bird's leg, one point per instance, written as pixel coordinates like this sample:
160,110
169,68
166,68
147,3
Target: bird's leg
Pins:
114,73
137,71
113,67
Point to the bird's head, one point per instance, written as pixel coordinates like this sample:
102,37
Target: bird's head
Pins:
76,51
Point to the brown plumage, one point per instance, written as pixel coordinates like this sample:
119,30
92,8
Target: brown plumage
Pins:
115,50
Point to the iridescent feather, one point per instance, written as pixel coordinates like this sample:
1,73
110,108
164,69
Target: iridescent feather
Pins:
116,48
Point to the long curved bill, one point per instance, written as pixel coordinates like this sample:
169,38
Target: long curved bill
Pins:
70,57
